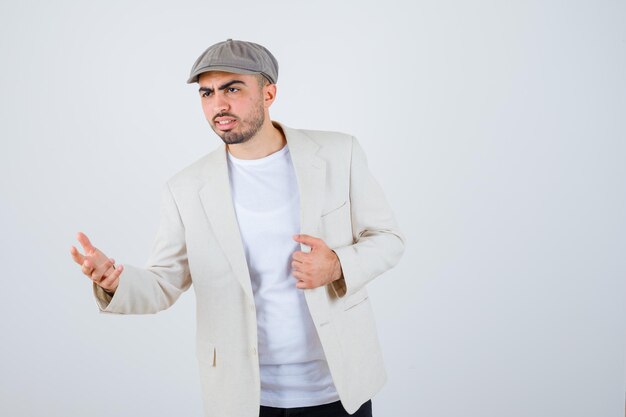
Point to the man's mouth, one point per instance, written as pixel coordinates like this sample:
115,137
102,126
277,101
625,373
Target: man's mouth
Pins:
225,123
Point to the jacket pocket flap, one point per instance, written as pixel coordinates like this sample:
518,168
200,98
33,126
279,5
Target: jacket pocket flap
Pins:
334,209
355,299
206,353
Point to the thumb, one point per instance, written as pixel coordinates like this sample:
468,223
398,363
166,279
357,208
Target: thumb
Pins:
311,241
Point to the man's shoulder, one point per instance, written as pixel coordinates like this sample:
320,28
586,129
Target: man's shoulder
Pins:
195,172
325,135
324,138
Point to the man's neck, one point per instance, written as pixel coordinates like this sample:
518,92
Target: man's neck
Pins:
268,140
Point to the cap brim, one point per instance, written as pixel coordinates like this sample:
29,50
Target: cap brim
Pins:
193,78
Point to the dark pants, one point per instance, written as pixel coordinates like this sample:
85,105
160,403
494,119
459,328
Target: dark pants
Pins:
325,410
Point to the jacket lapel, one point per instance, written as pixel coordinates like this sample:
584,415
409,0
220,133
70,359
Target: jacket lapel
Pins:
218,205
311,177
217,201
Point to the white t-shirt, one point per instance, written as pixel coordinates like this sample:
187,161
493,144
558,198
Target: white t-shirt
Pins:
293,367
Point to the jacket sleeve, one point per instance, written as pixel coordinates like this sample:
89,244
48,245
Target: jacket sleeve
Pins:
166,275
378,244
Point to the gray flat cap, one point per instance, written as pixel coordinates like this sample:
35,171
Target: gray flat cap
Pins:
240,57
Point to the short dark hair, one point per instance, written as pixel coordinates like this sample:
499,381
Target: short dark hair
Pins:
262,80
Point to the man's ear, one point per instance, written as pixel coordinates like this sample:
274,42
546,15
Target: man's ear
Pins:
269,94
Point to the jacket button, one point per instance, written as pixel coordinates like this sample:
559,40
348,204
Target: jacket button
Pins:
254,351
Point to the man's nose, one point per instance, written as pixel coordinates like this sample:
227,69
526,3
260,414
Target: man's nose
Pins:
220,105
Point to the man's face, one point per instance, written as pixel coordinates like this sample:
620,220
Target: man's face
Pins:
233,104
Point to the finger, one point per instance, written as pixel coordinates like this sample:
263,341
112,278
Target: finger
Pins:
76,255
300,275
87,268
111,282
100,271
112,261
300,256
312,241
295,266
85,242
106,274
112,286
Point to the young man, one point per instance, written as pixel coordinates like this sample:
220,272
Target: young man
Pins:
279,230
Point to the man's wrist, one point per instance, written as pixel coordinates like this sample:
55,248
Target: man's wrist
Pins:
339,275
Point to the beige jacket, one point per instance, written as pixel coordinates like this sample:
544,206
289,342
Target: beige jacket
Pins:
198,242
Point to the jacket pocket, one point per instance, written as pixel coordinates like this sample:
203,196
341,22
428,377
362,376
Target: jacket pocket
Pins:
206,353
355,299
326,212
336,226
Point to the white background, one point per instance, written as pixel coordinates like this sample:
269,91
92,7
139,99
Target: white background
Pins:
497,130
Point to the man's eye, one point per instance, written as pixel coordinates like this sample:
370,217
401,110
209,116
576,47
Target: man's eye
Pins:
232,89
205,94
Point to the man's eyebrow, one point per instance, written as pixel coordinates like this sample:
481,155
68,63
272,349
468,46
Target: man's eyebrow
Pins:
221,87
228,84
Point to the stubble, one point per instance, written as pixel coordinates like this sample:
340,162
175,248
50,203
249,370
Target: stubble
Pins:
249,129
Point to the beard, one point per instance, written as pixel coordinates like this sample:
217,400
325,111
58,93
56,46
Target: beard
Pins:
244,131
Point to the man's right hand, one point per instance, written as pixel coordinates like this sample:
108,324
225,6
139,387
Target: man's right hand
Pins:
96,265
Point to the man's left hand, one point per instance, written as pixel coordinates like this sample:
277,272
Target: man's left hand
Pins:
319,267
